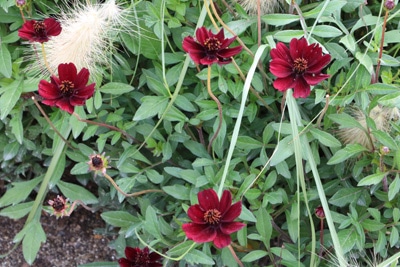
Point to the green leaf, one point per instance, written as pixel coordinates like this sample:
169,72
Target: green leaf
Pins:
347,239
151,224
280,19
151,105
346,121
198,257
326,31
349,151
76,192
254,255
17,211
32,241
19,192
239,26
16,126
177,191
80,168
394,188
9,98
390,100
372,179
264,225
394,236
345,196
381,88
333,6
5,61
372,225
284,150
385,139
325,138
287,35
180,249
115,88
10,150
248,143
121,219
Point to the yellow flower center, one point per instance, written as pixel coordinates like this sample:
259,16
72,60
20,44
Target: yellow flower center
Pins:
212,44
212,216
300,65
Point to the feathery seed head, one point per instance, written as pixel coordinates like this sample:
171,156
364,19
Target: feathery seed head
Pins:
266,6
88,32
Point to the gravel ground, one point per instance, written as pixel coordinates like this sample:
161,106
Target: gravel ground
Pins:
70,241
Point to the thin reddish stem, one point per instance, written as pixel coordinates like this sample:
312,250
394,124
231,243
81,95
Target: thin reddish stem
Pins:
378,66
235,256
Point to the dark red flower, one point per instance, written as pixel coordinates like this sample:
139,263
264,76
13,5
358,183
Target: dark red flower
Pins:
39,31
59,206
298,66
136,257
213,218
319,212
68,90
209,48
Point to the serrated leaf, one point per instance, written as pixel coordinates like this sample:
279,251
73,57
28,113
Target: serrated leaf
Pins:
33,239
349,151
121,219
325,138
76,192
372,179
115,88
9,98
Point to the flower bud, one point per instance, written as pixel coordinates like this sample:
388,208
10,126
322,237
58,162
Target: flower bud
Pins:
319,212
389,4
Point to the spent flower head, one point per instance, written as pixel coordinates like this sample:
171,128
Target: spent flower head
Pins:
298,66
136,257
266,6
209,48
212,219
98,163
68,90
59,206
40,31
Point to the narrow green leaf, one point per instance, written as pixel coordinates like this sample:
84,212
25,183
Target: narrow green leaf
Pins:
254,255
198,257
17,211
394,236
345,196
325,138
151,224
372,179
115,88
5,61
349,151
178,191
248,143
280,19
19,192
347,239
151,105
394,188
76,192
264,225
32,241
121,219
372,225
9,98
326,31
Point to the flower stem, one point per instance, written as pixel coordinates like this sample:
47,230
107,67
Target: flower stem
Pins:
235,256
132,194
321,237
79,202
219,109
45,59
378,65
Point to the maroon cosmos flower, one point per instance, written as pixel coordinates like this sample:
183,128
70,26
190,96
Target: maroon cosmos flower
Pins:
39,31
213,218
68,90
209,48
136,257
298,66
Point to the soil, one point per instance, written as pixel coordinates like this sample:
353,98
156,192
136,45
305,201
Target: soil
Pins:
71,241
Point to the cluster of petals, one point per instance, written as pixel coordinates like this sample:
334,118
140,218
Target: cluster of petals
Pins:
209,48
298,66
136,257
212,219
68,90
39,31
59,206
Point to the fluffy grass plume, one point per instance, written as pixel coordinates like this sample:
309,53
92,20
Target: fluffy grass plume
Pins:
380,115
87,35
266,6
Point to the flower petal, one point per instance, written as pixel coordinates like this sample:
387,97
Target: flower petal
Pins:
227,42
208,199
48,90
280,68
81,78
67,72
282,84
53,27
297,47
318,64
301,88
229,52
232,213
225,202
124,262
196,214
199,233
281,51
191,46
202,34
313,79
229,228
222,240
132,253
64,104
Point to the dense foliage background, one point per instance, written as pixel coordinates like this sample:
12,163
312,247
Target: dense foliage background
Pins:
340,144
